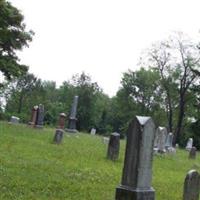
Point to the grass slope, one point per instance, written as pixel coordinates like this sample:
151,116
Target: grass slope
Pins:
32,167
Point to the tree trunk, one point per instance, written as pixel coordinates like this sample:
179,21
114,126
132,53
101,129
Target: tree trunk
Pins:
180,119
20,103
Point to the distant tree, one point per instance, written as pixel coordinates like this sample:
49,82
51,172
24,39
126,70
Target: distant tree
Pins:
13,36
177,60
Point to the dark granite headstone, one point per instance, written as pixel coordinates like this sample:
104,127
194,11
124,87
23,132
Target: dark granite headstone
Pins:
137,172
113,146
192,153
58,136
72,118
40,116
191,186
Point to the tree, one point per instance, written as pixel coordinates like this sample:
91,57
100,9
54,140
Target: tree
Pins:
177,60
13,36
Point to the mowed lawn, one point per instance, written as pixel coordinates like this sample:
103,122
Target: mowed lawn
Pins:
32,167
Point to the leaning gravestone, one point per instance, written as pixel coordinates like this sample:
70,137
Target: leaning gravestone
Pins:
40,117
189,144
113,146
191,186
192,153
14,120
137,172
93,131
161,133
58,136
72,118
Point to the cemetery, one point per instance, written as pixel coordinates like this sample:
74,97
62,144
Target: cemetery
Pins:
130,134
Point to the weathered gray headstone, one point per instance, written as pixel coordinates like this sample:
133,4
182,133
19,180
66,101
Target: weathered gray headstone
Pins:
191,186
58,136
137,172
72,118
192,153
161,134
40,116
189,144
113,146
93,131
14,120
169,141
105,140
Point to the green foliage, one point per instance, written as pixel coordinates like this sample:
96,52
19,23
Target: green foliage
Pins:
32,167
13,36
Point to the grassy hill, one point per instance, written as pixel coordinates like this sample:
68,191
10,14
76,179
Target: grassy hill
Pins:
32,167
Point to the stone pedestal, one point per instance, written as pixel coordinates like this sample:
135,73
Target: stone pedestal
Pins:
113,146
72,125
137,171
126,193
58,136
33,116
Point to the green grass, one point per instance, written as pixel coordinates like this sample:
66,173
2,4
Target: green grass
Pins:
32,167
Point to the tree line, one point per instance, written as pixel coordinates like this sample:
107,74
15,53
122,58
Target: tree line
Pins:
165,87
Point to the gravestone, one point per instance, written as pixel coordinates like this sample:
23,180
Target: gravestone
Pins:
14,120
191,186
93,131
33,116
169,141
113,146
161,133
40,116
189,144
105,140
61,121
58,136
72,118
192,153
137,171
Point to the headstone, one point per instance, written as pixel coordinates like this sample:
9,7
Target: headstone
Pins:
137,172
58,136
191,186
161,133
105,140
169,141
113,146
61,122
34,116
192,154
189,144
177,146
14,120
72,118
40,116
93,131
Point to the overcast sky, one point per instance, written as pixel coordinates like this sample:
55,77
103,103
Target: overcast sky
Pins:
103,38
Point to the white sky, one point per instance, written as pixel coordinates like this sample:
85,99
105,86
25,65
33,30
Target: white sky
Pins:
104,38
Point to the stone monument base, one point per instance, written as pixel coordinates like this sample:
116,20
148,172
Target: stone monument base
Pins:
71,130
127,193
38,126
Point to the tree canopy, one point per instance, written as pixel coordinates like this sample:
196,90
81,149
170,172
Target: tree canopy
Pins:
13,37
